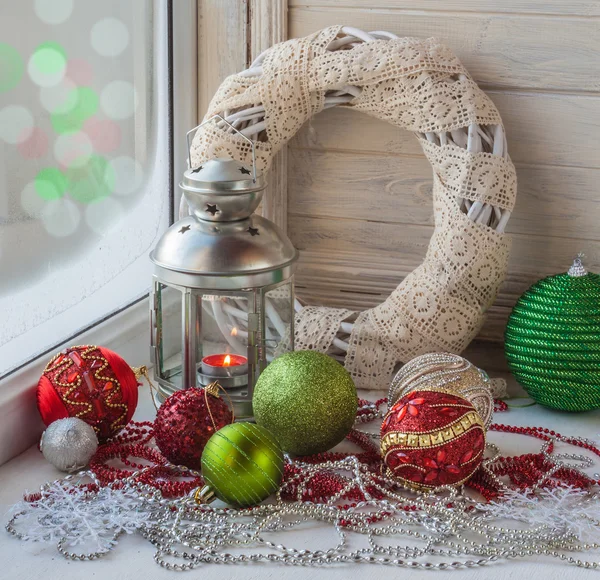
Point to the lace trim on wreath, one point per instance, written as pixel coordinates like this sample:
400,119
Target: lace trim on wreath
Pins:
316,327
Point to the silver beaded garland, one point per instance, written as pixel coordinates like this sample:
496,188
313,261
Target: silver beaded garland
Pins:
69,444
449,525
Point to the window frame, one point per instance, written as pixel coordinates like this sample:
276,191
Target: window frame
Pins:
125,329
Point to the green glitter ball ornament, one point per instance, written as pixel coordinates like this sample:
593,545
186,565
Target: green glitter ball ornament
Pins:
307,400
242,464
552,340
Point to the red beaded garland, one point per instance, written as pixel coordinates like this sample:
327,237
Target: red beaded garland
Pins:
521,470
186,421
158,474
430,439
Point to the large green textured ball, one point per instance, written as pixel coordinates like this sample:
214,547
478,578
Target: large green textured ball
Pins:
552,340
307,400
243,464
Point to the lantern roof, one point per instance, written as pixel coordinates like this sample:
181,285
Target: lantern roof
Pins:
227,255
223,245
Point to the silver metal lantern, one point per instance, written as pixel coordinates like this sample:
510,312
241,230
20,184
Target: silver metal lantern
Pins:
222,302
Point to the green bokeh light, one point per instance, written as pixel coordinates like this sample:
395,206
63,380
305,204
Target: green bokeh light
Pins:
11,67
50,183
86,105
68,103
92,181
49,58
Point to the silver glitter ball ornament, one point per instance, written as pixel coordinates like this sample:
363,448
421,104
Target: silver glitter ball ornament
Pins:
69,444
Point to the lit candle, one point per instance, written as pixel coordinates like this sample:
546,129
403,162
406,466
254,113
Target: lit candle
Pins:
224,365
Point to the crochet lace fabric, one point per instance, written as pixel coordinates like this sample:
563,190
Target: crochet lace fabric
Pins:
421,86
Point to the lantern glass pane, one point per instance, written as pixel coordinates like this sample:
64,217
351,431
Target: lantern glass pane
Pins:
168,333
278,321
226,327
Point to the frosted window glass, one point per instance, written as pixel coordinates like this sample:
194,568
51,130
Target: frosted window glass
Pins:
84,164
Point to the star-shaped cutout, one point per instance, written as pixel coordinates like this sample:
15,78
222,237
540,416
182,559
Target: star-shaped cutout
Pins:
199,168
184,229
253,231
244,171
212,209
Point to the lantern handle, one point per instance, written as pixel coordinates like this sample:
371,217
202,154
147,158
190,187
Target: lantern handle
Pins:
217,116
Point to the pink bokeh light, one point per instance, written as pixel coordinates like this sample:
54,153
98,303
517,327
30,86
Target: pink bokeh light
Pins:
104,134
35,145
80,71
73,149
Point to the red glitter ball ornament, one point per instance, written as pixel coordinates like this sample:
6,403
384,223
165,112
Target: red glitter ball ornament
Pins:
186,421
92,383
430,439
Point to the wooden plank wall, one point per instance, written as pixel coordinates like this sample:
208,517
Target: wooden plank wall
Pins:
359,190
231,34
222,45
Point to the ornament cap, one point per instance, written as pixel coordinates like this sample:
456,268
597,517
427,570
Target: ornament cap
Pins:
213,389
577,270
203,495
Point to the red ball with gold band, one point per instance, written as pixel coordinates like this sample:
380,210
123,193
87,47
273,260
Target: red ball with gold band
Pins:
431,439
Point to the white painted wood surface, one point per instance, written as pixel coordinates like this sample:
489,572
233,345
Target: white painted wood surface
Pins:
268,26
499,50
133,557
222,45
232,33
543,128
359,190
571,7
379,187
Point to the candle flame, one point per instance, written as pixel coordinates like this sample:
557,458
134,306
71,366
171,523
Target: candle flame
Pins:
234,331
227,361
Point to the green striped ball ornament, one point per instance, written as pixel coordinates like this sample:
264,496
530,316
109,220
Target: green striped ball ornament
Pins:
242,464
552,340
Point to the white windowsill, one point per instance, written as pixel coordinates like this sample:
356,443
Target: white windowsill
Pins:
133,557
127,333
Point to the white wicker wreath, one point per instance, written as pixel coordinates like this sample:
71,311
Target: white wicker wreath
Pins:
421,86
